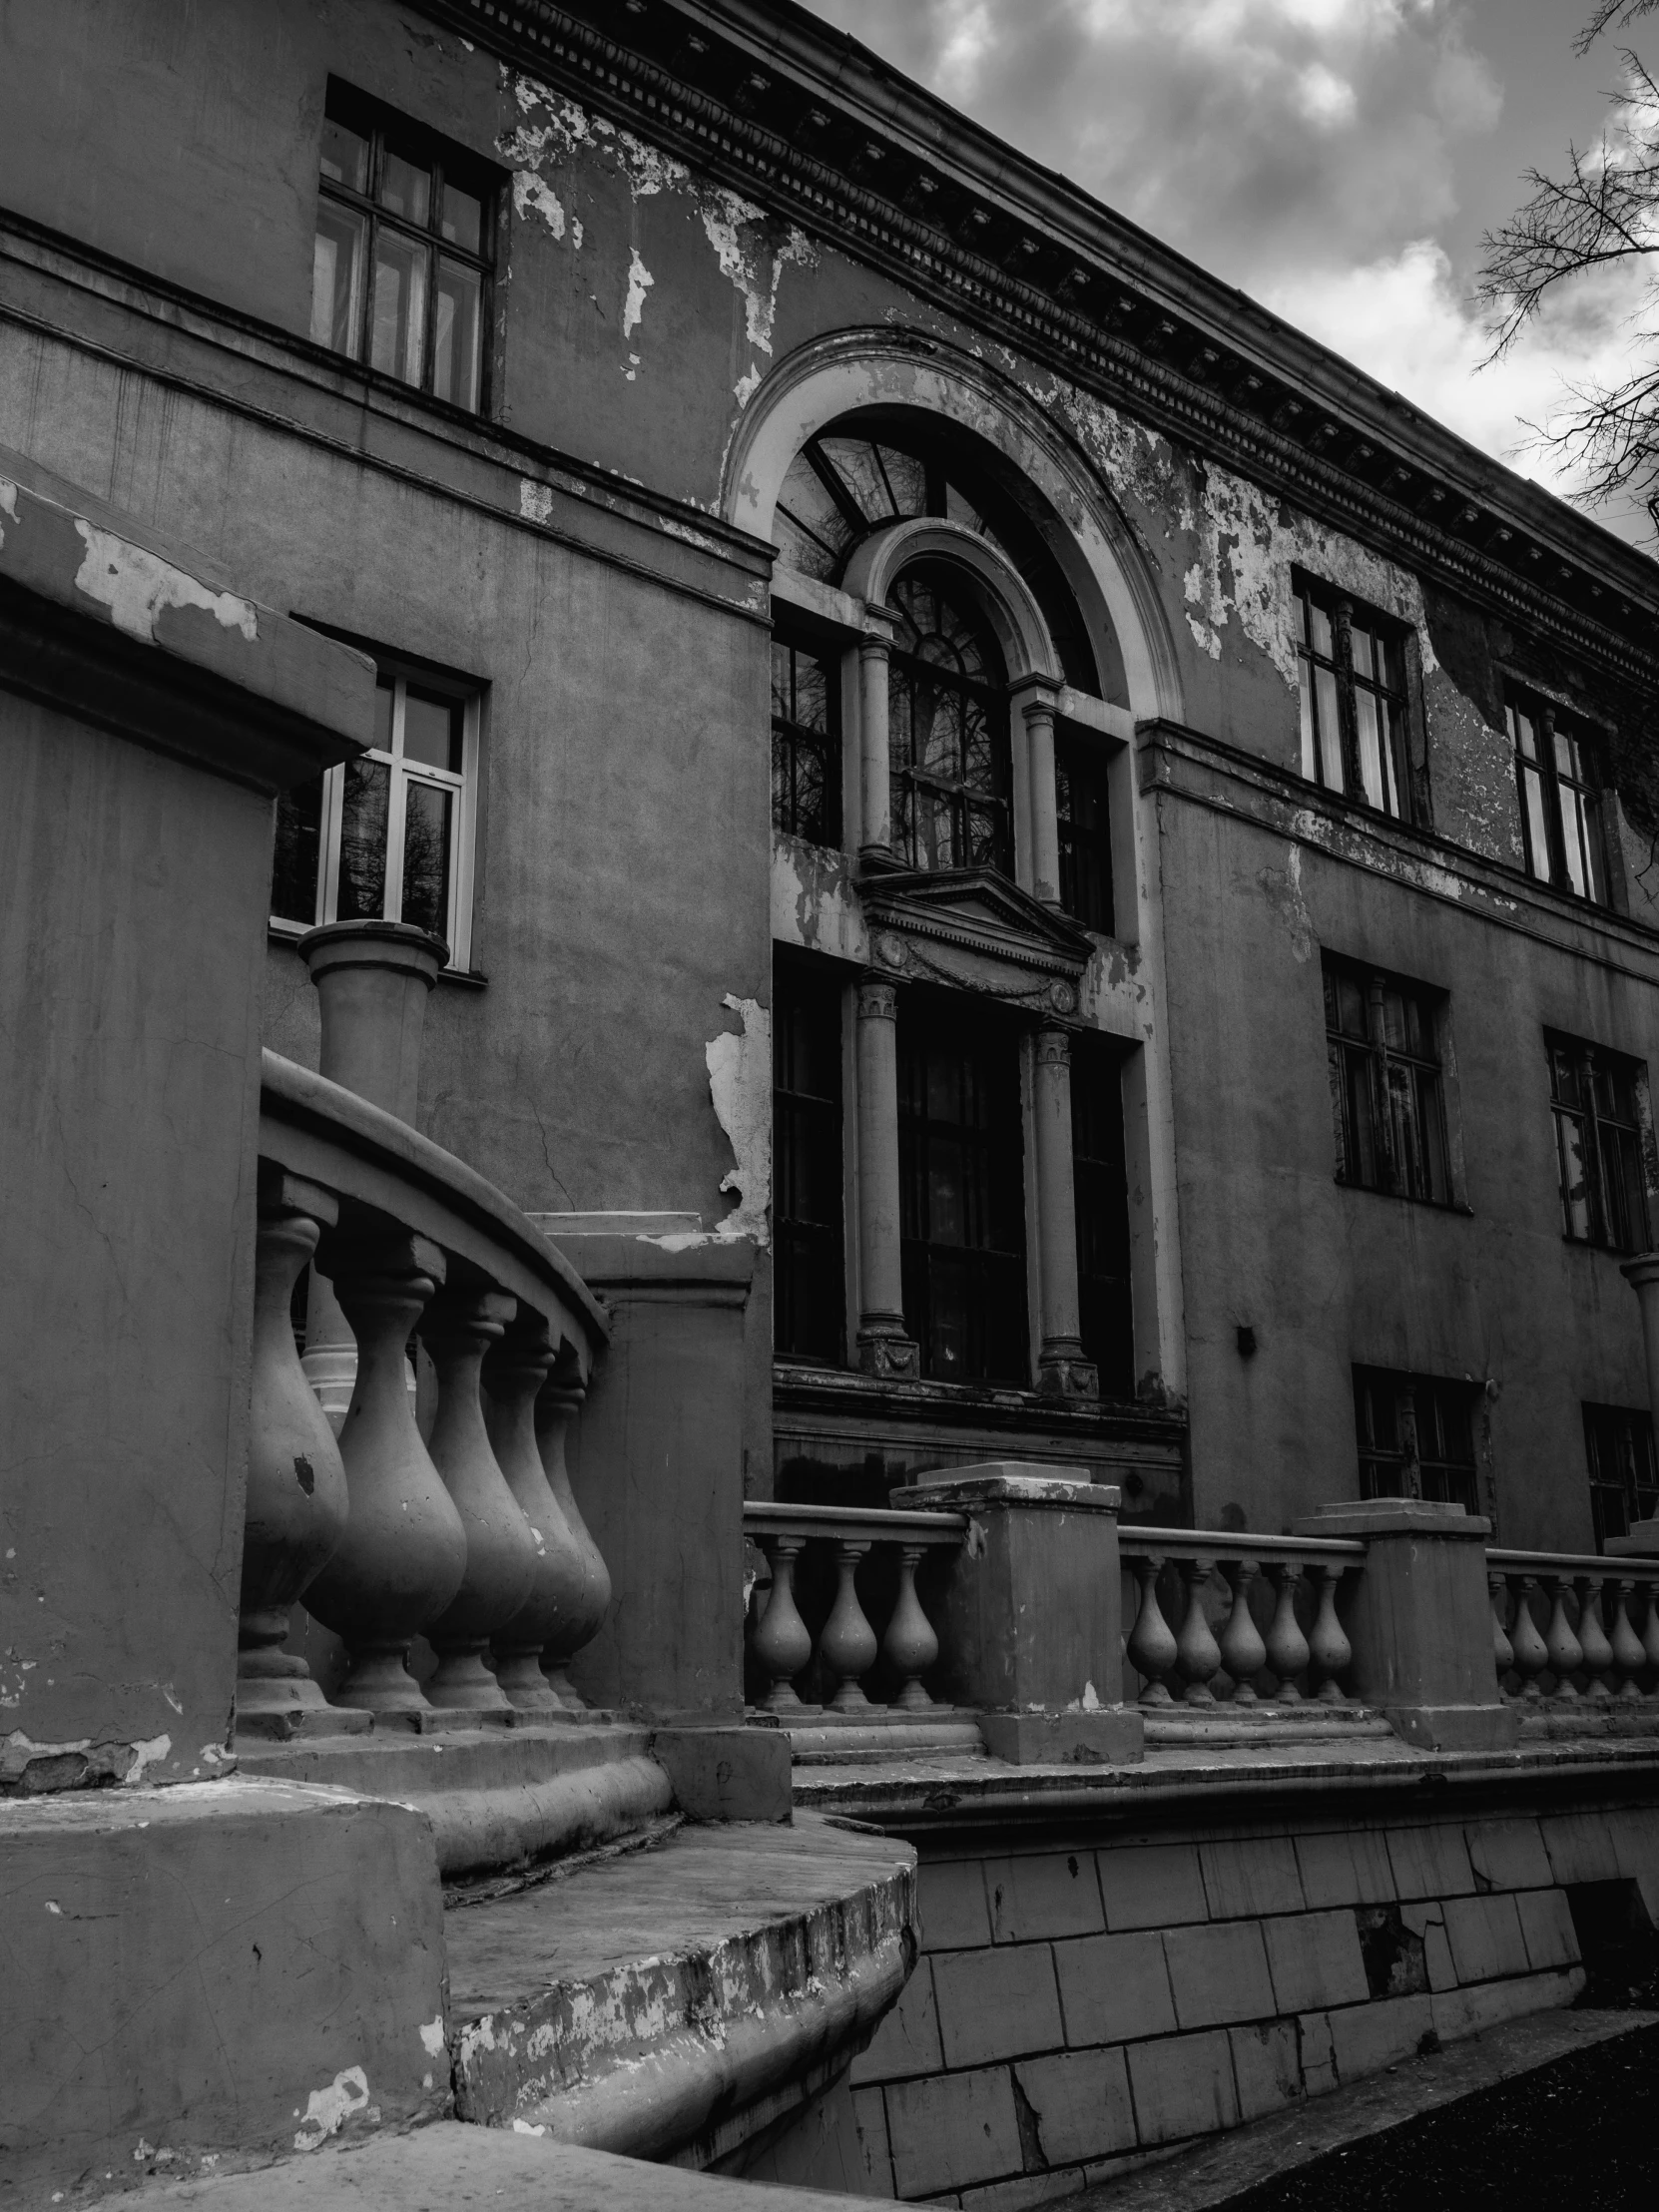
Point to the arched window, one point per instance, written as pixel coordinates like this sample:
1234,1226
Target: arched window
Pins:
947,693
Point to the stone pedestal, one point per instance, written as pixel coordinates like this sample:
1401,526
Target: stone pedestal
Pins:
1422,1622
1030,1621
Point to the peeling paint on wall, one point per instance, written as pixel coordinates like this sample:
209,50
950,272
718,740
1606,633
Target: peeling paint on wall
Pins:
531,193
640,282
8,502
327,2110
752,260
138,586
739,1084
31,1768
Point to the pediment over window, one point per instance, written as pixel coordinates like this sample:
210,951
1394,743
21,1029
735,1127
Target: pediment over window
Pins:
972,929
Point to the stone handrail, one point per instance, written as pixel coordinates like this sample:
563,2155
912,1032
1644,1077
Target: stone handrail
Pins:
848,1647
1550,1623
1213,1571
470,1537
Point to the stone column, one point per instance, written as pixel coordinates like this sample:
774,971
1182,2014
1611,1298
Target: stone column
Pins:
876,804
373,979
1062,1369
884,1347
1037,697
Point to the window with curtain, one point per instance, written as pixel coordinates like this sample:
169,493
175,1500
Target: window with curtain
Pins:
949,754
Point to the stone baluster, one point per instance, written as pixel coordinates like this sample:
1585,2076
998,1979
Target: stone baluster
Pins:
1242,1653
1504,1652
297,1501
1152,1647
461,1326
1197,1654
403,1552
1531,1653
514,1375
1567,1653
848,1645
781,1641
559,1404
1288,1649
1628,1656
1650,1633
910,1646
1329,1652
1592,1636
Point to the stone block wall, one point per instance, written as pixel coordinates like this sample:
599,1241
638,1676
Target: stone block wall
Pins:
1077,2009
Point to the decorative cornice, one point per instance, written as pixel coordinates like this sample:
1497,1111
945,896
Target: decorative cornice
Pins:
908,911
853,151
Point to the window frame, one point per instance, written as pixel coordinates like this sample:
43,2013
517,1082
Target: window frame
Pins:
795,639
1532,719
1601,1186
1418,1401
906,778
1381,1059
1333,760
442,162
463,783
1632,1492
1086,849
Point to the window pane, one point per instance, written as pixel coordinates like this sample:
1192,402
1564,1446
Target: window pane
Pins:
1537,828
811,693
399,316
337,279
1575,1178
463,220
1371,749
1525,736
1330,730
299,847
362,842
1320,623
432,730
344,156
1304,690
457,357
1359,640
406,189
426,858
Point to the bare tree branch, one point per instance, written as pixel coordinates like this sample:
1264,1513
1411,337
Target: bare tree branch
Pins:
1608,15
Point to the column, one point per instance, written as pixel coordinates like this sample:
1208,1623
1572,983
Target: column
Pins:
876,804
1061,1367
884,1347
1037,697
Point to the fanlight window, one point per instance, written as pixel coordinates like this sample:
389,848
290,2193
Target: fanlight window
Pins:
947,730
838,489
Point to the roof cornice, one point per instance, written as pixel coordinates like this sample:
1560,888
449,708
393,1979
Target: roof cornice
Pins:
813,125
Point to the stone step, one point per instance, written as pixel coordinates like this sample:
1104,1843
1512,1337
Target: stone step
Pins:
675,2001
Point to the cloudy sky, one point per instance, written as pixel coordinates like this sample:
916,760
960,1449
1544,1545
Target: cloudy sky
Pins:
1338,159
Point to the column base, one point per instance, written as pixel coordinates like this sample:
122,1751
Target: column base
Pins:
1456,1727
1113,1736
1062,1371
893,1359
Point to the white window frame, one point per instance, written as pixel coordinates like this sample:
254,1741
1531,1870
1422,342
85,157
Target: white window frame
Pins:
462,819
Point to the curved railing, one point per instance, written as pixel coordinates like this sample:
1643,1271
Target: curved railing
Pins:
1569,1628
1272,1599
470,1537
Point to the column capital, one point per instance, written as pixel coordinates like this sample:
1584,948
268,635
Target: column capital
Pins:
878,998
1037,696
1641,1270
1053,1046
879,625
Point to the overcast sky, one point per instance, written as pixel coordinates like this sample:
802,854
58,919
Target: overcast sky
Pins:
1338,159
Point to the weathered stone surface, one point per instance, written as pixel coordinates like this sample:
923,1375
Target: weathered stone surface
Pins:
1315,1962
1267,2066
907,2040
997,2003
1080,2102
1367,2037
1219,1973
1546,1924
955,1914
1038,1893
1346,1868
1114,1988
1484,1934
1152,1886
1430,1862
1248,1876
1472,2011
1508,1855
1183,2086
952,2131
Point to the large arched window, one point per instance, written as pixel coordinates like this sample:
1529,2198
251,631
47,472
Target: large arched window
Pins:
947,693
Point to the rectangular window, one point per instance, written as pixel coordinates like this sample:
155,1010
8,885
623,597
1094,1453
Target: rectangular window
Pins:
1415,1435
1102,1196
1624,1480
806,742
1560,798
961,1192
401,269
809,1295
388,837
1351,671
1387,1113
1598,1144
1085,827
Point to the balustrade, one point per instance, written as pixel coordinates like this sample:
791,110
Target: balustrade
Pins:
471,1539
1599,1641
1210,1579
846,1649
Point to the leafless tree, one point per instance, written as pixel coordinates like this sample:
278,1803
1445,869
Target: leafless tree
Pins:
1602,213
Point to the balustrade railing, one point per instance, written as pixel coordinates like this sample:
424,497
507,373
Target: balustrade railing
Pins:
1570,1629
1240,1618
846,1649
470,1537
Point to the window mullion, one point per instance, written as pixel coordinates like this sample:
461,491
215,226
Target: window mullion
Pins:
1555,822
1380,1081
1341,631
396,807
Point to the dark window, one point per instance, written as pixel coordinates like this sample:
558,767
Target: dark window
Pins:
806,743
1598,1145
387,836
1416,1438
808,1297
947,730
1102,1187
400,272
1386,1111
961,1177
1560,798
1085,826
1624,1481
1350,666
